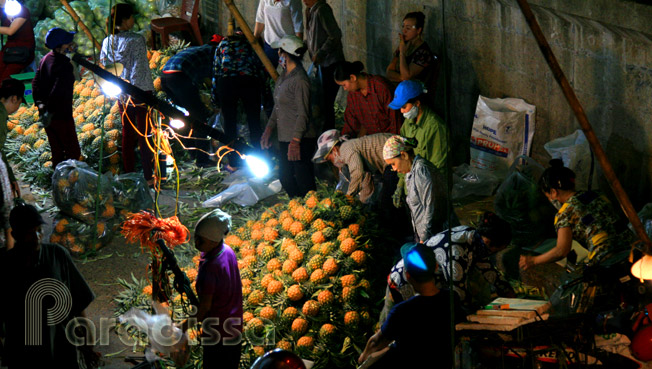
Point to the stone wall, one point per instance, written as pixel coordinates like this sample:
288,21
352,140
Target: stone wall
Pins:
603,46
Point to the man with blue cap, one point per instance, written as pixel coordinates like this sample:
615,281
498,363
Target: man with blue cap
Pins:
419,327
52,89
422,123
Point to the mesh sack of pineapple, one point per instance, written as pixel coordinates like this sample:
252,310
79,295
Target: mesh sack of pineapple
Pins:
307,269
81,238
75,192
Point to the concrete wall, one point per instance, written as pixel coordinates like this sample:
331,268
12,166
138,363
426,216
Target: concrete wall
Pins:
603,46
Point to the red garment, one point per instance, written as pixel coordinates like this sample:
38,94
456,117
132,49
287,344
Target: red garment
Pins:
63,140
372,111
136,117
23,37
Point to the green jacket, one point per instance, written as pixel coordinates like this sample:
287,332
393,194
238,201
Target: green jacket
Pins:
432,135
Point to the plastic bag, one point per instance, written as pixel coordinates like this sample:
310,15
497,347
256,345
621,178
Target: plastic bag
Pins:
164,337
316,96
471,181
574,150
344,180
79,237
244,194
502,130
74,187
521,203
171,7
131,193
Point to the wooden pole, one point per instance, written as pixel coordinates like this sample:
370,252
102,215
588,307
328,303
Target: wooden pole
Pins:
575,104
75,16
252,40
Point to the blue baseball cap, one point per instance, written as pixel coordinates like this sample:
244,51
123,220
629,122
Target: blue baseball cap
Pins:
57,37
418,259
405,91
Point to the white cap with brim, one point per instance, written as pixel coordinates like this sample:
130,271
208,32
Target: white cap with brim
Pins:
325,145
289,44
214,225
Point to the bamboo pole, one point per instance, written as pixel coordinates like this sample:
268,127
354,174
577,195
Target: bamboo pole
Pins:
75,16
252,40
575,104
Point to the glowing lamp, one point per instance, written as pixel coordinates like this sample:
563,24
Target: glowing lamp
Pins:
258,167
110,89
642,269
177,123
12,8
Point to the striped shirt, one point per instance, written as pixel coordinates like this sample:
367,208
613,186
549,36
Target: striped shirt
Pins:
363,155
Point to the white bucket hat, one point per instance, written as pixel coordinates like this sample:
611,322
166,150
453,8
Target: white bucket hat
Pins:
214,225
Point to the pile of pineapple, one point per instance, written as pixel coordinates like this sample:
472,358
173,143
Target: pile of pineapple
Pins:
307,269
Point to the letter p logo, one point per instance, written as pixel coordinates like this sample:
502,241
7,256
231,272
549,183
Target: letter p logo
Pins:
34,305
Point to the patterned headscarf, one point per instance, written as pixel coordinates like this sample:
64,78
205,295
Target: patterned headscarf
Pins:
396,144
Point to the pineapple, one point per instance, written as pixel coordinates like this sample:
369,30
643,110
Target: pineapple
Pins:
348,294
318,277
327,331
275,287
355,229
310,308
327,248
268,313
296,255
295,228
344,234
256,297
318,224
330,266
295,293
346,212
289,314
284,345
316,262
247,316
307,216
287,223
44,157
233,240
289,266
300,275
270,234
325,297
317,237
299,326
328,233
273,265
351,318
302,237
348,246
348,280
359,257
256,234
312,201
268,253
306,342
256,325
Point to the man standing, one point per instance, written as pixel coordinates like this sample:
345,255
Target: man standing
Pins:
219,288
274,20
420,327
39,281
324,39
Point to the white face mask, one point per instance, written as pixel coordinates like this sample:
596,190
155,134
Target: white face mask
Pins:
412,114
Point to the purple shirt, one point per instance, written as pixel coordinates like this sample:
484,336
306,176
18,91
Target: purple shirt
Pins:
219,276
